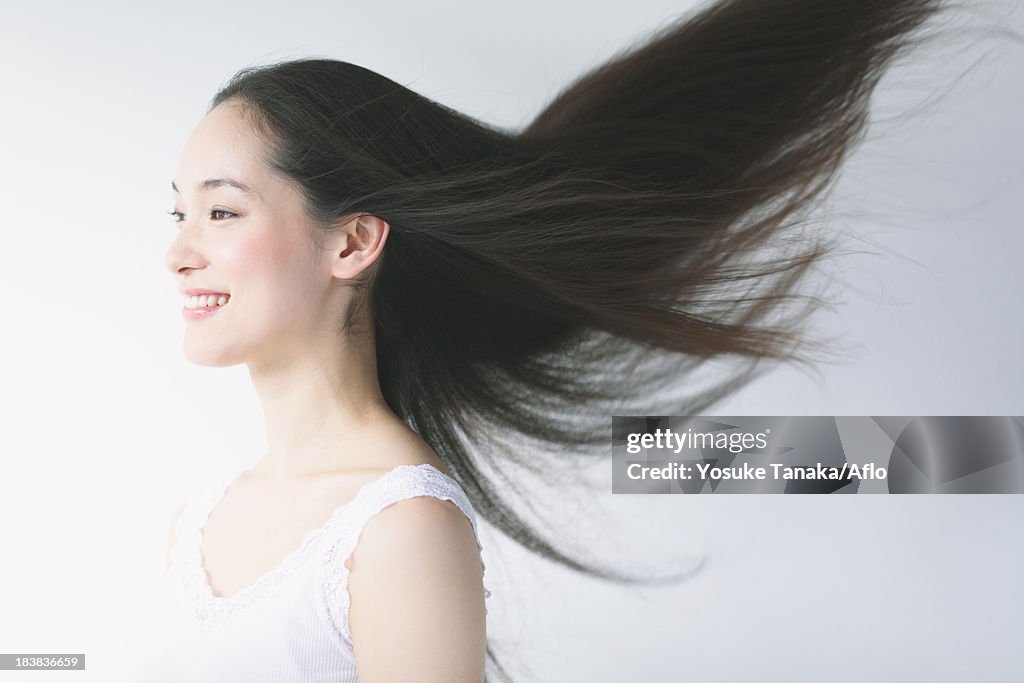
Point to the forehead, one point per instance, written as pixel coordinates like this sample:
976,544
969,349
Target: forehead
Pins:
223,146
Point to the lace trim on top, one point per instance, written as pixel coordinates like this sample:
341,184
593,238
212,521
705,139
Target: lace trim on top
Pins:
400,483
210,609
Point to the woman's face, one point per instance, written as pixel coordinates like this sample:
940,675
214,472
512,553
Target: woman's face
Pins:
252,245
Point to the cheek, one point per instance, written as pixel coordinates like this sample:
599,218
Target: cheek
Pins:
267,270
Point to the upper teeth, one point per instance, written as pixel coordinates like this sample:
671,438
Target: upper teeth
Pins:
204,300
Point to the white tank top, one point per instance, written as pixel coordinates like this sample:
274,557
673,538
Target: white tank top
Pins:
292,624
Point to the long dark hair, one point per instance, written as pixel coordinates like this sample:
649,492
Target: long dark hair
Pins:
537,281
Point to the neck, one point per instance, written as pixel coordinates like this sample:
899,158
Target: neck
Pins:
320,407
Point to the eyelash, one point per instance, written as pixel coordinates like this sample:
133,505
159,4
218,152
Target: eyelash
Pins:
172,214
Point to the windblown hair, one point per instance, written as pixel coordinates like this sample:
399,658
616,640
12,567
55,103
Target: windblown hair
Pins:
537,281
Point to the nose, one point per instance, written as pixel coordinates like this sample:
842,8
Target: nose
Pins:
182,253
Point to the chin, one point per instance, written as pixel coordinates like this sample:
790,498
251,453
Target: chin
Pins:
208,355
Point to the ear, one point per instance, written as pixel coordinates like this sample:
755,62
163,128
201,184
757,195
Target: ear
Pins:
356,244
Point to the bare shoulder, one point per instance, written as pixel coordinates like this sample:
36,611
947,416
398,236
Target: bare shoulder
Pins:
417,599
424,524
170,534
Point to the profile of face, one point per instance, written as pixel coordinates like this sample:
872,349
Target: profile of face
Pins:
252,244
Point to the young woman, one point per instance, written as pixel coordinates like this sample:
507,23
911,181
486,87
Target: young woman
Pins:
418,296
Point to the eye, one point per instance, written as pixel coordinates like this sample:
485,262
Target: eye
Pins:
179,216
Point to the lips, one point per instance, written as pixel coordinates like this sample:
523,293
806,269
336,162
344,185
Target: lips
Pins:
202,312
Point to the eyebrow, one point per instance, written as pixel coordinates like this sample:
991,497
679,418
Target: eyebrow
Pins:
211,183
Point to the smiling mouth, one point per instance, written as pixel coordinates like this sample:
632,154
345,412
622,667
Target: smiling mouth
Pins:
199,312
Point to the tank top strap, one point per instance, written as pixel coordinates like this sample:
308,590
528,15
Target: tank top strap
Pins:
400,483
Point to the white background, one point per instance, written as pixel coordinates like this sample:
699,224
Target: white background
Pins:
104,426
